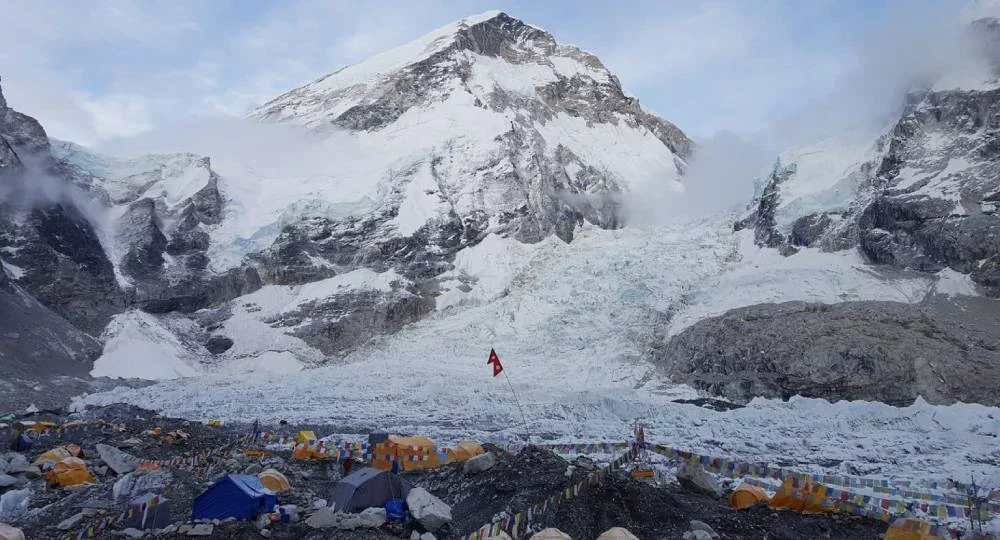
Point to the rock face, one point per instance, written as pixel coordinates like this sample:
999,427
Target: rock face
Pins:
943,350
922,196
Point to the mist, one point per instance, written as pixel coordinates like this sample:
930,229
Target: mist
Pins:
914,47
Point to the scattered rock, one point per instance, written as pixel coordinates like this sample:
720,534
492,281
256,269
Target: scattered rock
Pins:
320,503
429,510
133,533
70,522
266,533
254,468
427,536
480,463
120,462
201,529
702,526
91,512
697,535
324,518
695,479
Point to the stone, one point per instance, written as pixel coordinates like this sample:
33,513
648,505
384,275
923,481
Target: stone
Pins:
138,483
133,533
266,533
201,529
324,518
480,463
320,503
414,535
91,512
430,511
27,471
702,526
254,468
696,479
120,462
697,535
427,536
70,522
7,481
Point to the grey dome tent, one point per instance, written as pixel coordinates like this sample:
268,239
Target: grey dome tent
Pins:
366,488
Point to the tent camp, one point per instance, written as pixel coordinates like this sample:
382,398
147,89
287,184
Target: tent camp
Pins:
746,496
366,488
241,496
464,451
148,512
412,453
69,472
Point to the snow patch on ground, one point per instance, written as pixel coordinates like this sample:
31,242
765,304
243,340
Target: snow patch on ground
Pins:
139,346
954,283
14,271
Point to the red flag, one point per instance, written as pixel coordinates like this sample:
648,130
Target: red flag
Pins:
495,361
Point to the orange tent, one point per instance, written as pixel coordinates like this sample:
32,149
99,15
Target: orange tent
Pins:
910,529
746,496
464,451
411,452
58,454
274,480
807,498
69,472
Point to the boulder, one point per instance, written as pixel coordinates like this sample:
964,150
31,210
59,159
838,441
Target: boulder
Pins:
132,532
702,526
427,536
7,481
430,511
695,479
14,504
120,462
70,522
327,518
201,529
696,535
27,471
253,469
138,483
324,518
480,463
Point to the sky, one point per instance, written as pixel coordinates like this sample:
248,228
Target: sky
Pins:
94,71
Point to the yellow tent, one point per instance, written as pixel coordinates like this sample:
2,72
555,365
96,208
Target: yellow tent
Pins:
617,533
10,533
551,534
746,496
55,455
910,529
274,480
463,451
69,472
806,498
305,436
411,452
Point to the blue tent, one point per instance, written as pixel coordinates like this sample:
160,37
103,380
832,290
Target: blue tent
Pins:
240,496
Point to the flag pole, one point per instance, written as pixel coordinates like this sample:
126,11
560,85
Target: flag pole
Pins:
527,433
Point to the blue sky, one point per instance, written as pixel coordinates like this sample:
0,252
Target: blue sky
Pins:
91,71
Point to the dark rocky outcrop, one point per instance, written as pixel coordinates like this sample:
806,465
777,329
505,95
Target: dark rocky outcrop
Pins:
944,350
